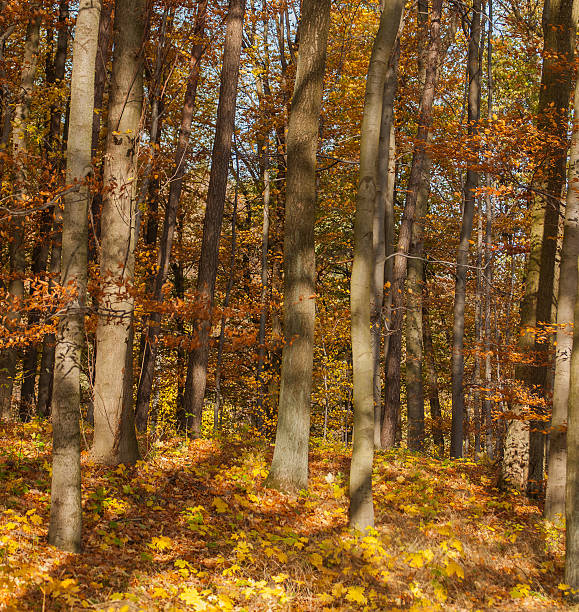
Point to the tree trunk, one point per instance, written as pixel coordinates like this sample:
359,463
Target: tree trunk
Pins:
66,512
197,366
462,256
114,432
572,487
559,27
9,356
415,182
555,497
170,220
431,376
383,227
362,281
289,467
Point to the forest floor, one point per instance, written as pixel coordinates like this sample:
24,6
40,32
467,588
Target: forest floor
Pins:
193,528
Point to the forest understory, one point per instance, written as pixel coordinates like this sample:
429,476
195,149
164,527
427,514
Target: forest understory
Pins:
194,528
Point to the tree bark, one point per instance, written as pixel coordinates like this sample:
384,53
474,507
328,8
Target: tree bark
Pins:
208,261
572,468
17,255
114,432
431,376
383,227
555,496
170,220
362,281
415,182
462,256
289,467
559,27
65,511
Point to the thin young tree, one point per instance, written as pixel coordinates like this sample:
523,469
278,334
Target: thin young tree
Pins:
470,186
114,434
17,253
415,183
361,503
65,509
208,261
289,467
150,351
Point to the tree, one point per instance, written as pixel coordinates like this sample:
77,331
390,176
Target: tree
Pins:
175,190
470,186
555,495
207,271
114,437
415,184
289,467
17,255
361,504
559,28
65,510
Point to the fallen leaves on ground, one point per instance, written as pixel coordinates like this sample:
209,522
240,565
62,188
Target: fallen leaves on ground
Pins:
193,528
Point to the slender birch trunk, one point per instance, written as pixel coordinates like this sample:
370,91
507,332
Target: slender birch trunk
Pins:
114,436
65,511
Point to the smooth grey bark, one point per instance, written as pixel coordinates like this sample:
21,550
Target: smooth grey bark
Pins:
559,29
17,255
391,414
65,510
170,221
555,496
471,184
362,281
383,227
208,261
572,470
289,467
114,432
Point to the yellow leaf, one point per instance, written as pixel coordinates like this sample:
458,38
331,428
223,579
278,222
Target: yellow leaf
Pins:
316,560
454,568
220,505
355,594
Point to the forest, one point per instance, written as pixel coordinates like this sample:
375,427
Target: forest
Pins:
288,292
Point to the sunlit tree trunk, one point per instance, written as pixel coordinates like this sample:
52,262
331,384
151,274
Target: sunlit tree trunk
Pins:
207,271
9,356
114,436
471,184
65,511
289,468
415,183
572,467
559,27
383,228
555,497
362,281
